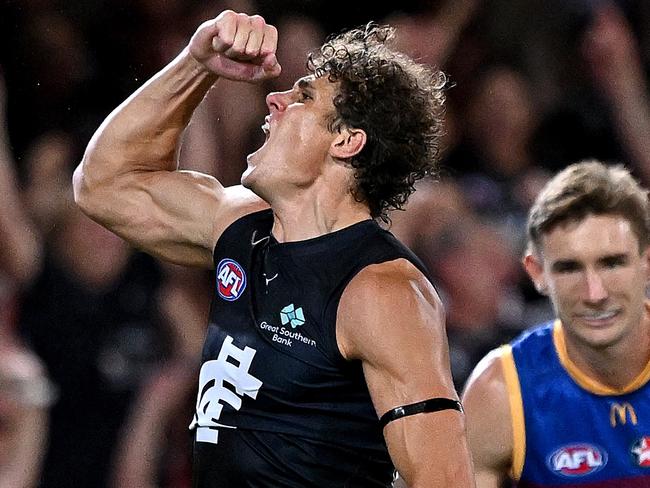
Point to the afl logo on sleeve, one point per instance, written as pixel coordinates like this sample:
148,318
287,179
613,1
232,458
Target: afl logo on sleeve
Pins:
231,279
577,460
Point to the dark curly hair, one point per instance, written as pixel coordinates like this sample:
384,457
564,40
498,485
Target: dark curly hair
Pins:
396,101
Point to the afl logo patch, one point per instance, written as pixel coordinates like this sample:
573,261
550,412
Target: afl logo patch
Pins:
577,460
231,279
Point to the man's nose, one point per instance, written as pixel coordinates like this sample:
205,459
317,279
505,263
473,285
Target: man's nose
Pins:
277,101
596,291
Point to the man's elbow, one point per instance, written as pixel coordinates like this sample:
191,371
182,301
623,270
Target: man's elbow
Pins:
85,191
79,188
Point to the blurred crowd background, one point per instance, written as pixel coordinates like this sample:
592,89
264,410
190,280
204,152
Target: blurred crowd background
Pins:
99,344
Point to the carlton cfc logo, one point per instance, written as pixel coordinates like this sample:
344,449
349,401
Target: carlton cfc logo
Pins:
231,279
577,460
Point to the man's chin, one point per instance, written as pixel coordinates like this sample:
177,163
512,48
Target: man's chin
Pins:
601,337
245,181
247,176
249,180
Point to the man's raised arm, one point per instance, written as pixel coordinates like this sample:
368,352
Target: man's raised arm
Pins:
128,179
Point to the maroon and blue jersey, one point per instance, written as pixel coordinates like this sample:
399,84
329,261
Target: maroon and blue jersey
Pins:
570,430
277,404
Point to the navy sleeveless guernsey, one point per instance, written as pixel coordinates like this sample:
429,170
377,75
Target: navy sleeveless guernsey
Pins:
570,431
277,405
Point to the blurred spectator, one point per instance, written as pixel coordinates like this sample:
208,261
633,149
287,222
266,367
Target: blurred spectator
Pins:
91,316
25,396
475,271
493,161
20,244
433,34
336,15
613,56
48,196
542,39
300,35
25,392
433,207
49,72
155,447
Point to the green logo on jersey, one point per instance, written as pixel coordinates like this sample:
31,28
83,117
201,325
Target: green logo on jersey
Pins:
292,315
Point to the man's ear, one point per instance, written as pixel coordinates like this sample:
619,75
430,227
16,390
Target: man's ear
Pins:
535,271
348,143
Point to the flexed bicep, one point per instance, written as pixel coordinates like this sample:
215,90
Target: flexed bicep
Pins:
173,215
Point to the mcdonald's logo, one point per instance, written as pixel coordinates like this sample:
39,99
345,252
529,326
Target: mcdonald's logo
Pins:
619,413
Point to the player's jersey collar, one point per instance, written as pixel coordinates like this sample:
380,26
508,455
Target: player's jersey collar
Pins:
585,381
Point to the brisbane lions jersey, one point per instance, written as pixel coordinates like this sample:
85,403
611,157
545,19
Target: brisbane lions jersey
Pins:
278,406
569,430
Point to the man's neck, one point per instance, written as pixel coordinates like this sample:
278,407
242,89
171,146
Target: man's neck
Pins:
310,214
616,366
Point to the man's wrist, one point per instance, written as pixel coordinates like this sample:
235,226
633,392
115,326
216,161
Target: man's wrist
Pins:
188,71
197,67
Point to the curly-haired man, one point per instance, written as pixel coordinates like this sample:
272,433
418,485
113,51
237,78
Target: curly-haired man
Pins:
325,361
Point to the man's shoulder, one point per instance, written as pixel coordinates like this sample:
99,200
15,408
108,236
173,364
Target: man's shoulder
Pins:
246,214
486,400
540,335
489,371
384,268
391,302
234,202
397,280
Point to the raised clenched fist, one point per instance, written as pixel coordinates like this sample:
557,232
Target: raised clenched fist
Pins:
237,46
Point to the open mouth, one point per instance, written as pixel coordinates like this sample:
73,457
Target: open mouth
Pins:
601,317
266,126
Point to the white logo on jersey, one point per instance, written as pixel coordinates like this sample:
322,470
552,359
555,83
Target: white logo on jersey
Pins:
231,366
577,460
268,280
231,279
256,242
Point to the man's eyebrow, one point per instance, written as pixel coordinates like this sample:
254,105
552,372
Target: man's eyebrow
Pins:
565,264
305,84
619,257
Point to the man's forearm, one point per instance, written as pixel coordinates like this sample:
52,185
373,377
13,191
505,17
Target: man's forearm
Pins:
142,134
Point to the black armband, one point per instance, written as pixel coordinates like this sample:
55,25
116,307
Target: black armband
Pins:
430,405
